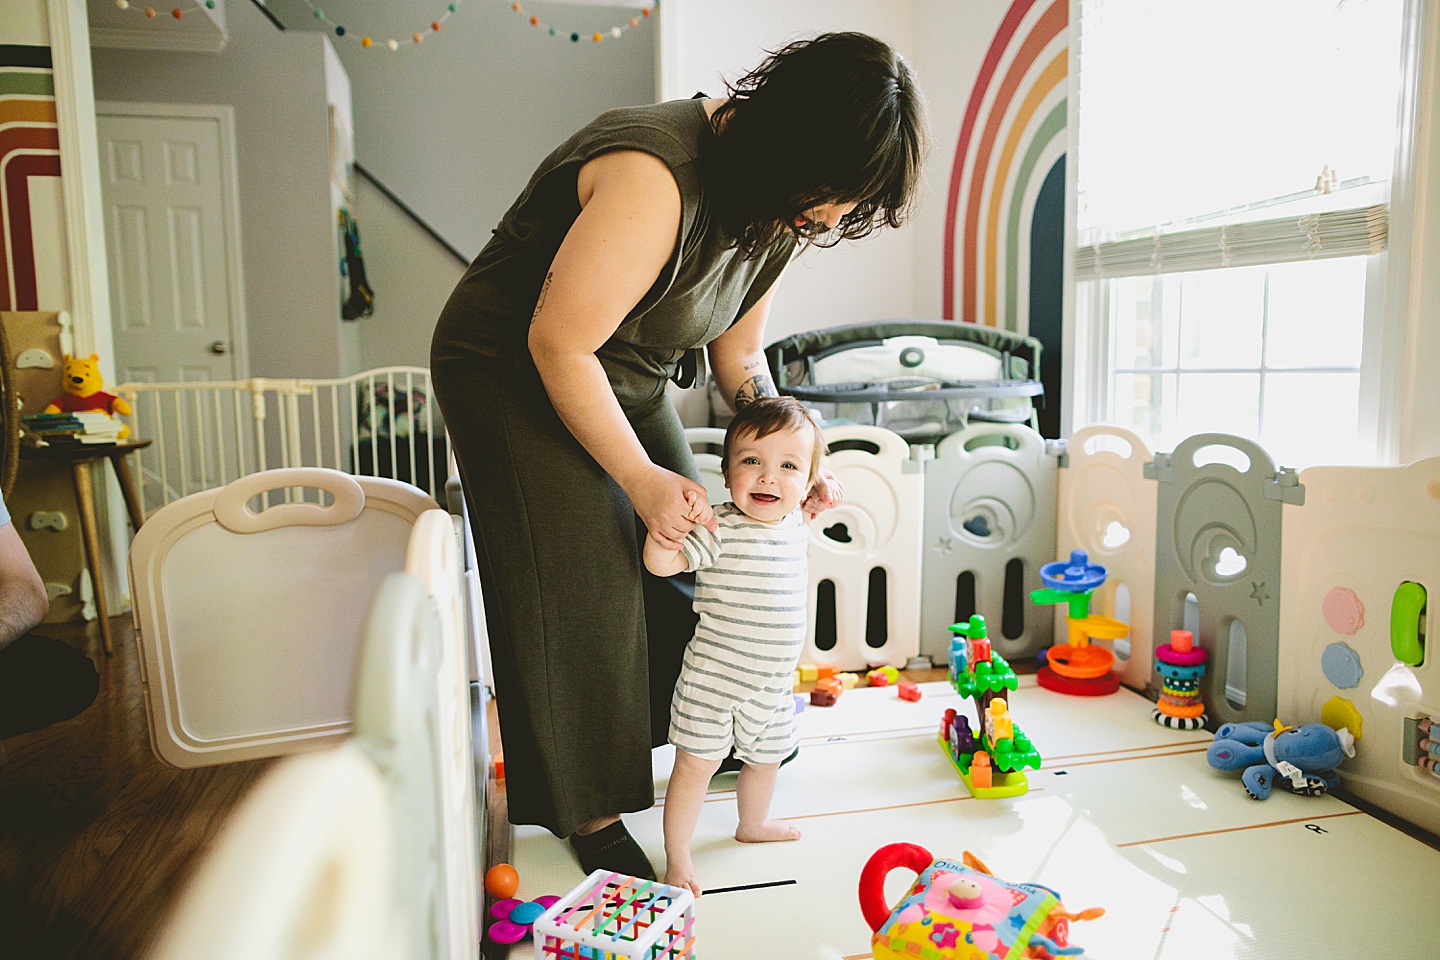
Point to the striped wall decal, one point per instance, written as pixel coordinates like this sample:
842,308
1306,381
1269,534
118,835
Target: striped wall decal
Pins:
1012,136
29,147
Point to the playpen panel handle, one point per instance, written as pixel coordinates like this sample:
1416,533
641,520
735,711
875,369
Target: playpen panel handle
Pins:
232,510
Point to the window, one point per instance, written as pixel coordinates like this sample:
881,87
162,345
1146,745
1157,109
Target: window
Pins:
1233,176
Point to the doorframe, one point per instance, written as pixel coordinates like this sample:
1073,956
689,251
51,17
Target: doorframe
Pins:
224,115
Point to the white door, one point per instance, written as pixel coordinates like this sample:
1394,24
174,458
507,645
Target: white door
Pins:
172,237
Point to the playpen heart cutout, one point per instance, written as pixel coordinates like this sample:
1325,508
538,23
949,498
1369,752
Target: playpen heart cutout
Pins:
838,532
1230,564
977,526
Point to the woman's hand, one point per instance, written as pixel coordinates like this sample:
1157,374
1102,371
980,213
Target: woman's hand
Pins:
669,504
826,493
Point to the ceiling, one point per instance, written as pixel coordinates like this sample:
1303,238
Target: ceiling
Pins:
200,29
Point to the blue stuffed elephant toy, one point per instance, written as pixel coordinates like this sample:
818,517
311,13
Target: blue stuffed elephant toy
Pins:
1300,759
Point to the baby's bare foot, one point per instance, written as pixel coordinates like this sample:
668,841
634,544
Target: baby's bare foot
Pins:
682,875
767,832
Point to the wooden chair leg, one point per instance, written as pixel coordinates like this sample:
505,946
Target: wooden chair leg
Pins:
85,497
128,488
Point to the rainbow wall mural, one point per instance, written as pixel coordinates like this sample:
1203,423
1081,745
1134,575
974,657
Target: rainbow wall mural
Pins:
29,147
1011,146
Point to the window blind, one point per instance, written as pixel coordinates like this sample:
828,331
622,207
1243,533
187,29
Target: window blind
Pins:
1332,233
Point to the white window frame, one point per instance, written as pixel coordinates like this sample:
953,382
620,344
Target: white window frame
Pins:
1085,378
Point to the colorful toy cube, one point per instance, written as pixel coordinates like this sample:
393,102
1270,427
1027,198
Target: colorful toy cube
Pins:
908,691
611,916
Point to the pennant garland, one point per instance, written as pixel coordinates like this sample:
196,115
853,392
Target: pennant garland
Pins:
418,37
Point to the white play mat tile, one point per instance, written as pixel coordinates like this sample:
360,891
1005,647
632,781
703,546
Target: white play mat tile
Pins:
1124,814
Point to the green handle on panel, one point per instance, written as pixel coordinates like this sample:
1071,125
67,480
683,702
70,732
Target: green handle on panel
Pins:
1405,611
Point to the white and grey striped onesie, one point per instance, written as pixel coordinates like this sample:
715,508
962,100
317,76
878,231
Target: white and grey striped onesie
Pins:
736,681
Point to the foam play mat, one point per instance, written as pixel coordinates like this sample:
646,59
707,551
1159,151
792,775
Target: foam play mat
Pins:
1124,814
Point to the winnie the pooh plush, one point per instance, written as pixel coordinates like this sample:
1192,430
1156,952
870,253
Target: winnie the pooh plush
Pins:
82,384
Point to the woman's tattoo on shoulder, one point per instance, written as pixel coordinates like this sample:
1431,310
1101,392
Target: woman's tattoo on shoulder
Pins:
755,388
544,289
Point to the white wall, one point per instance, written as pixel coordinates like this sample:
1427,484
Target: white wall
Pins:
950,43
454,128
413,275
1420,404
277,84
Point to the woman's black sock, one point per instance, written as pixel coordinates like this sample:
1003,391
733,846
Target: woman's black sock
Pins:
612,848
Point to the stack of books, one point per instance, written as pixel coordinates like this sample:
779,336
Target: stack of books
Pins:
85,426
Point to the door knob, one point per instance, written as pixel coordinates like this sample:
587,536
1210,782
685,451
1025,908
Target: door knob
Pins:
219,347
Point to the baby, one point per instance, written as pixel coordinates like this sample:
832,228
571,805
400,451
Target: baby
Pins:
735,685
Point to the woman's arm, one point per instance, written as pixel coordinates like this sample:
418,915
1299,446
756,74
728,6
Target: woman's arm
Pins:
613,253
737,361
23,601
737,356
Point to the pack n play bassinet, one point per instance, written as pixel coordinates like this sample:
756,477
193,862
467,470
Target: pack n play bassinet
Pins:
922,379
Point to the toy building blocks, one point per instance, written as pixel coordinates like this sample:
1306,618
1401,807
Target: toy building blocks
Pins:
1180,664
808,672
1077,666
882,676
611,916
823,698
991,758
908,691
962,911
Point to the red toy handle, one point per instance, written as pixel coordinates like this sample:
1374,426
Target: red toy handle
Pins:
911,856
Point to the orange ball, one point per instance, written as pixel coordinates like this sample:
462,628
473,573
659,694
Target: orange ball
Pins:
502,881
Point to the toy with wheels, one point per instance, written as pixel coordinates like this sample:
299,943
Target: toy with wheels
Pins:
1077,666
962,911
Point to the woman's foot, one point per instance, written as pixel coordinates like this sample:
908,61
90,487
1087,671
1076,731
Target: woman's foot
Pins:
610,847
768,831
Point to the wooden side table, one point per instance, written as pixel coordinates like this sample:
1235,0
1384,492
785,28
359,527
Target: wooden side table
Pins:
80,457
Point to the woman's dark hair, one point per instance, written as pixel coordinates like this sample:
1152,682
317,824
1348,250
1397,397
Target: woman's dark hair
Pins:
834,119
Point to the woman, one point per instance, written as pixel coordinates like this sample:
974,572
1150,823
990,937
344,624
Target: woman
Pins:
651,232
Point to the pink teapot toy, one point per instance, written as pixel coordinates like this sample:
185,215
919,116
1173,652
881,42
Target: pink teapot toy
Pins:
961,911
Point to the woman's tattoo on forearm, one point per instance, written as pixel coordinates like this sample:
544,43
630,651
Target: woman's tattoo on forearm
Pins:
544,289
756,387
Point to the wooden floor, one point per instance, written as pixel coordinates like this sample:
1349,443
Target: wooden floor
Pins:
96,833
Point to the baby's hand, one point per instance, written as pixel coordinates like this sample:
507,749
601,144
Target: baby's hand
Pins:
700,512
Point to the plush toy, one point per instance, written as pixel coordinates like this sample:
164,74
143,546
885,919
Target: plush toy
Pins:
82,391
1301,759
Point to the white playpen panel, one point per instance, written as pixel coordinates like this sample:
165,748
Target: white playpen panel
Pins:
1107,507
706,444
303,870
347,852
864,555
1362,533
433,555
990,520
247,620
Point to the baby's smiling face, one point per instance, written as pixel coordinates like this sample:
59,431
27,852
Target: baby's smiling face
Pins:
768,477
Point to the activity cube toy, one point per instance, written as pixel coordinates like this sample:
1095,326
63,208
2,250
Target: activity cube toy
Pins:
611,916
961,911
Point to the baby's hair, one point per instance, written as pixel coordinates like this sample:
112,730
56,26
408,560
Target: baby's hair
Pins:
766,415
